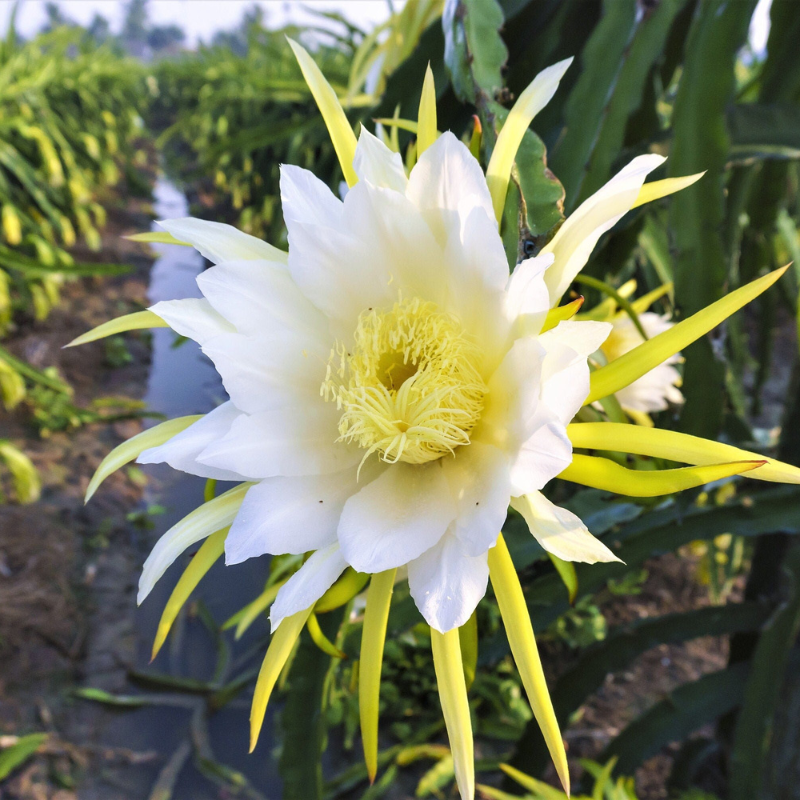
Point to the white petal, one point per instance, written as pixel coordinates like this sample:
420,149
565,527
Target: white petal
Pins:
306,199
559,531
399,240
289,515
476,273
448,186
181,451
584,337
513,397
331,265
445,175
193,317
219,242
447,584
654,391
263,372
194,527
545,454
308,584
565,370
576,238
338,273
527,299
479,481
396,518
260,298
376,163
294,440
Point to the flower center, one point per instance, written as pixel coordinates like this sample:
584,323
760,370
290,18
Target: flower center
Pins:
410,389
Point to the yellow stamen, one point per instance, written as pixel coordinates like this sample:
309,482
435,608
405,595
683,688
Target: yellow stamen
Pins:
409,388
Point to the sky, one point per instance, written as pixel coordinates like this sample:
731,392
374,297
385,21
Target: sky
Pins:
200,19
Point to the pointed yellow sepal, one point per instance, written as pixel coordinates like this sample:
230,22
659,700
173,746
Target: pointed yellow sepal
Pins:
674,446
211,549
561,313
528,105
128,451
540,788
519,630
342,136
637,417
658,189
343,591
602,473
320,639
277,655
397,123
194,527
426,118
130,322
455,707
637,362
645,301
246,616
156,237
568,575
373,637
394,132
468,636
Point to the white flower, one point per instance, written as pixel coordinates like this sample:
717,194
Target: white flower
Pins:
655,390
390,389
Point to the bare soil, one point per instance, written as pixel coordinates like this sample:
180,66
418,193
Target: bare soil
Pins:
56,555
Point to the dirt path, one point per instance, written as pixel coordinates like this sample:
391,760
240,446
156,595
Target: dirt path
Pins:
67,570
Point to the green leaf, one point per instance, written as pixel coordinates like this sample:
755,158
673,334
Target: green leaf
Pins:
624,644
19,752
535,201
474,52
701,142
687,708
601,62
660,531
626,94
753,734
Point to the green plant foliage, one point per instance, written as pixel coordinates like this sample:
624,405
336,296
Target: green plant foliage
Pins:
18,753
761,695
701,142
69,121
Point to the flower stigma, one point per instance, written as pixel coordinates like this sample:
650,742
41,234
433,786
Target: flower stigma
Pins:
409,388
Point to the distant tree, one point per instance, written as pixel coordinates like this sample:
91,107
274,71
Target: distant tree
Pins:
163,37
99,29
55,17
134,29
238,39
